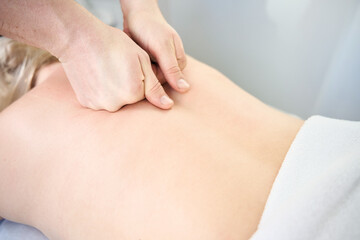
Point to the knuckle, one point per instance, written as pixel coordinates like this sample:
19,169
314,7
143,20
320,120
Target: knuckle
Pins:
182,62
93,106
113,108
154,89
112,104
173,71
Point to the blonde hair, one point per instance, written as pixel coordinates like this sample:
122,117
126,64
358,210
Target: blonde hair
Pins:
19,64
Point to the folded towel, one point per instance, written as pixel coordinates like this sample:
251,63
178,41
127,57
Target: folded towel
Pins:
316,194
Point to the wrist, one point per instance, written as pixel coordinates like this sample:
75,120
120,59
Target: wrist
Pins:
79,29
134,6
87,35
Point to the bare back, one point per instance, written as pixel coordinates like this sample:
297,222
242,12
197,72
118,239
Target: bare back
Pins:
202,170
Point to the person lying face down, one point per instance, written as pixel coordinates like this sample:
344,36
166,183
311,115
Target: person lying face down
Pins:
202,170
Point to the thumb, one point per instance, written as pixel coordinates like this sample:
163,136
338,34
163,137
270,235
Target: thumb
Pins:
154,92
169,65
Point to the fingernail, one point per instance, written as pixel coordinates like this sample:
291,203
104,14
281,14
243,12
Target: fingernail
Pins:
182,84
165,100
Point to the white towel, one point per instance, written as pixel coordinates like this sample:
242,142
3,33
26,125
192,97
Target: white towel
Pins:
316,194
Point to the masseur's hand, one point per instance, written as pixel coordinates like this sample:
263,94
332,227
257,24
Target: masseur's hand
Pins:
108,70
144,23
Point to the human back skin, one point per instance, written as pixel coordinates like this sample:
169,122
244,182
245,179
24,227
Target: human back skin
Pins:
202,170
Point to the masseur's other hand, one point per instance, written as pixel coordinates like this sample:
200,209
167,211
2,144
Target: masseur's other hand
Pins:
144,23
108,70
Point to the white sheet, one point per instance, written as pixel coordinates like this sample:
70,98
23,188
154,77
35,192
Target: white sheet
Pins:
316,194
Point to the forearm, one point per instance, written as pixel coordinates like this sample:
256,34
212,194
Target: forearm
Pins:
49,24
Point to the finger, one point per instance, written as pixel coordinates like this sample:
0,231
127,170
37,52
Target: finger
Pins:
92,106
113,105
84,102
167,61
108,106
154,92
108,103
180,52
158,73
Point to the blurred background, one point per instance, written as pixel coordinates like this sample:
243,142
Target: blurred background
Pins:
300,56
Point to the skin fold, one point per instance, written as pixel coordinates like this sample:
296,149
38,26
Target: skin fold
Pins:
202,170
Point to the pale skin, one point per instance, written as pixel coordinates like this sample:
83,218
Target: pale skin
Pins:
201,171
106,68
